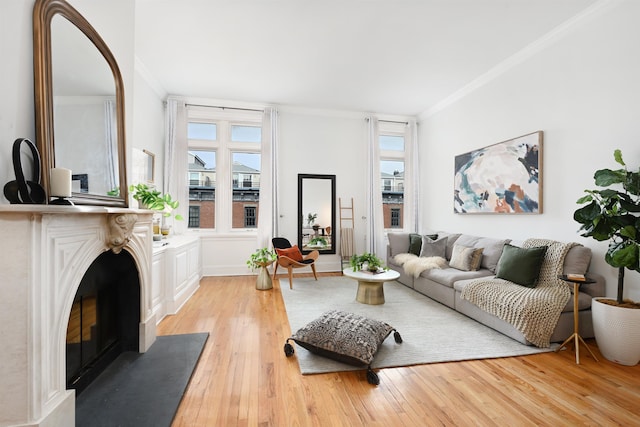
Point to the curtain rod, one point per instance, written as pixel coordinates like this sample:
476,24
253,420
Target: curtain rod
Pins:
393,121
224,108
388,121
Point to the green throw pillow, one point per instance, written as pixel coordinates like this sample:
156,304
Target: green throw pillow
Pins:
520,265
415,244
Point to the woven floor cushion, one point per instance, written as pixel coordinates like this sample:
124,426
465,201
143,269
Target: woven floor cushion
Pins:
345,337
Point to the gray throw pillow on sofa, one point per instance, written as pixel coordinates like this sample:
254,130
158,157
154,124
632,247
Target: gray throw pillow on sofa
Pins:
432,247
521,265
577,260
398,243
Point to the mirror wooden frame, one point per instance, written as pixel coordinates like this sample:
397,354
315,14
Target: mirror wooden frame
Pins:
301,219
43,13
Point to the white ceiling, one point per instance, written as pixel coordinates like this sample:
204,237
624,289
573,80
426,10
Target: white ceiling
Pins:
397,57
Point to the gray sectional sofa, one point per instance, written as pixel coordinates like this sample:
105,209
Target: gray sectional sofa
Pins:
445,285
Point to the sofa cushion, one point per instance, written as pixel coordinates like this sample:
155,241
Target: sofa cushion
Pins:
466,258
342,336
398,243
584,302
577,260
448,276
521,265
432,247
492,248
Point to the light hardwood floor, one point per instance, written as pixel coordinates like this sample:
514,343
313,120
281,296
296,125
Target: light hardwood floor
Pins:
244,379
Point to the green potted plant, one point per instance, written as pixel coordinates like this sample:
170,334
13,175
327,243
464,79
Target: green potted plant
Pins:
612,214
318,242
150,198
367,261
262,258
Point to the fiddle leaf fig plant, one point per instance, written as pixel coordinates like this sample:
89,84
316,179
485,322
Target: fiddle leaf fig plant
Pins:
614,214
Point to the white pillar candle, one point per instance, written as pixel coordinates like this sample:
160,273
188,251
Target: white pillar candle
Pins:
60,182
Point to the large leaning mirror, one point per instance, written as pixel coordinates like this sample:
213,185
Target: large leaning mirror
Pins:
316,213
79,96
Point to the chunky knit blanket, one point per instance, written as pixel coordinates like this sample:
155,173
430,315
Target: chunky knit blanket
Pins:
532,311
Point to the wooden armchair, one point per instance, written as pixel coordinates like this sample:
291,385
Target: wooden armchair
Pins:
290,257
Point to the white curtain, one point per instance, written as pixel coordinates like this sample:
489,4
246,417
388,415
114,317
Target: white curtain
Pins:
375,225
111,140
411,178
268,207
175,161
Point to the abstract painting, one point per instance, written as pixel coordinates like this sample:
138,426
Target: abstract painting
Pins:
502,178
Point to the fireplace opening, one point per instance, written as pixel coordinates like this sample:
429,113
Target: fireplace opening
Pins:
104,319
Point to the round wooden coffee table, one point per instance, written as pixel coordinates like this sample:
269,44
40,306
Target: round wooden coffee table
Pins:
371,286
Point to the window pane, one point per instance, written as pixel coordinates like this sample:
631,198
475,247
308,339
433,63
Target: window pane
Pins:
201,177
207,131
246,133
194,216
246,189
250,220
395,218
392,185
391,143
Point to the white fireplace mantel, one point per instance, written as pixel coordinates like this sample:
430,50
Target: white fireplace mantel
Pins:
47,250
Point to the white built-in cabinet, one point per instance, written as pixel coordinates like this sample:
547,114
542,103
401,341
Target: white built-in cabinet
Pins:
176,270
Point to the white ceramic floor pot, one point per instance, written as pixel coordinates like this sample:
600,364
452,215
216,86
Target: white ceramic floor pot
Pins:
617,332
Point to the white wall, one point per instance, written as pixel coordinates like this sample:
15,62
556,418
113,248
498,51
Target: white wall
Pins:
148,125
16,81
321,142
582,90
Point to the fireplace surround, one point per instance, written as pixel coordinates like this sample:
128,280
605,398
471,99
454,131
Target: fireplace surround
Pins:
47,251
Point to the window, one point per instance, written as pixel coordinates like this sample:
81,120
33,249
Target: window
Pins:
392,152
246,189
203,131
202,187
224,168
250,220
194,216
395,218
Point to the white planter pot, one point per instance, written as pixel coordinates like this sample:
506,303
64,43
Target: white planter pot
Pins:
617,332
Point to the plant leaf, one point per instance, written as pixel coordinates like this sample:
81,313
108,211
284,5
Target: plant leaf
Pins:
584,199
607,177
617,155
624,254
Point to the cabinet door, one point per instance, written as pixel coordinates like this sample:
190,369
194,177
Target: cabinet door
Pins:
194,261
157,282
181,263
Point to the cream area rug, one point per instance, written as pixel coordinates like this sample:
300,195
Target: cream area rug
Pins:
431,332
